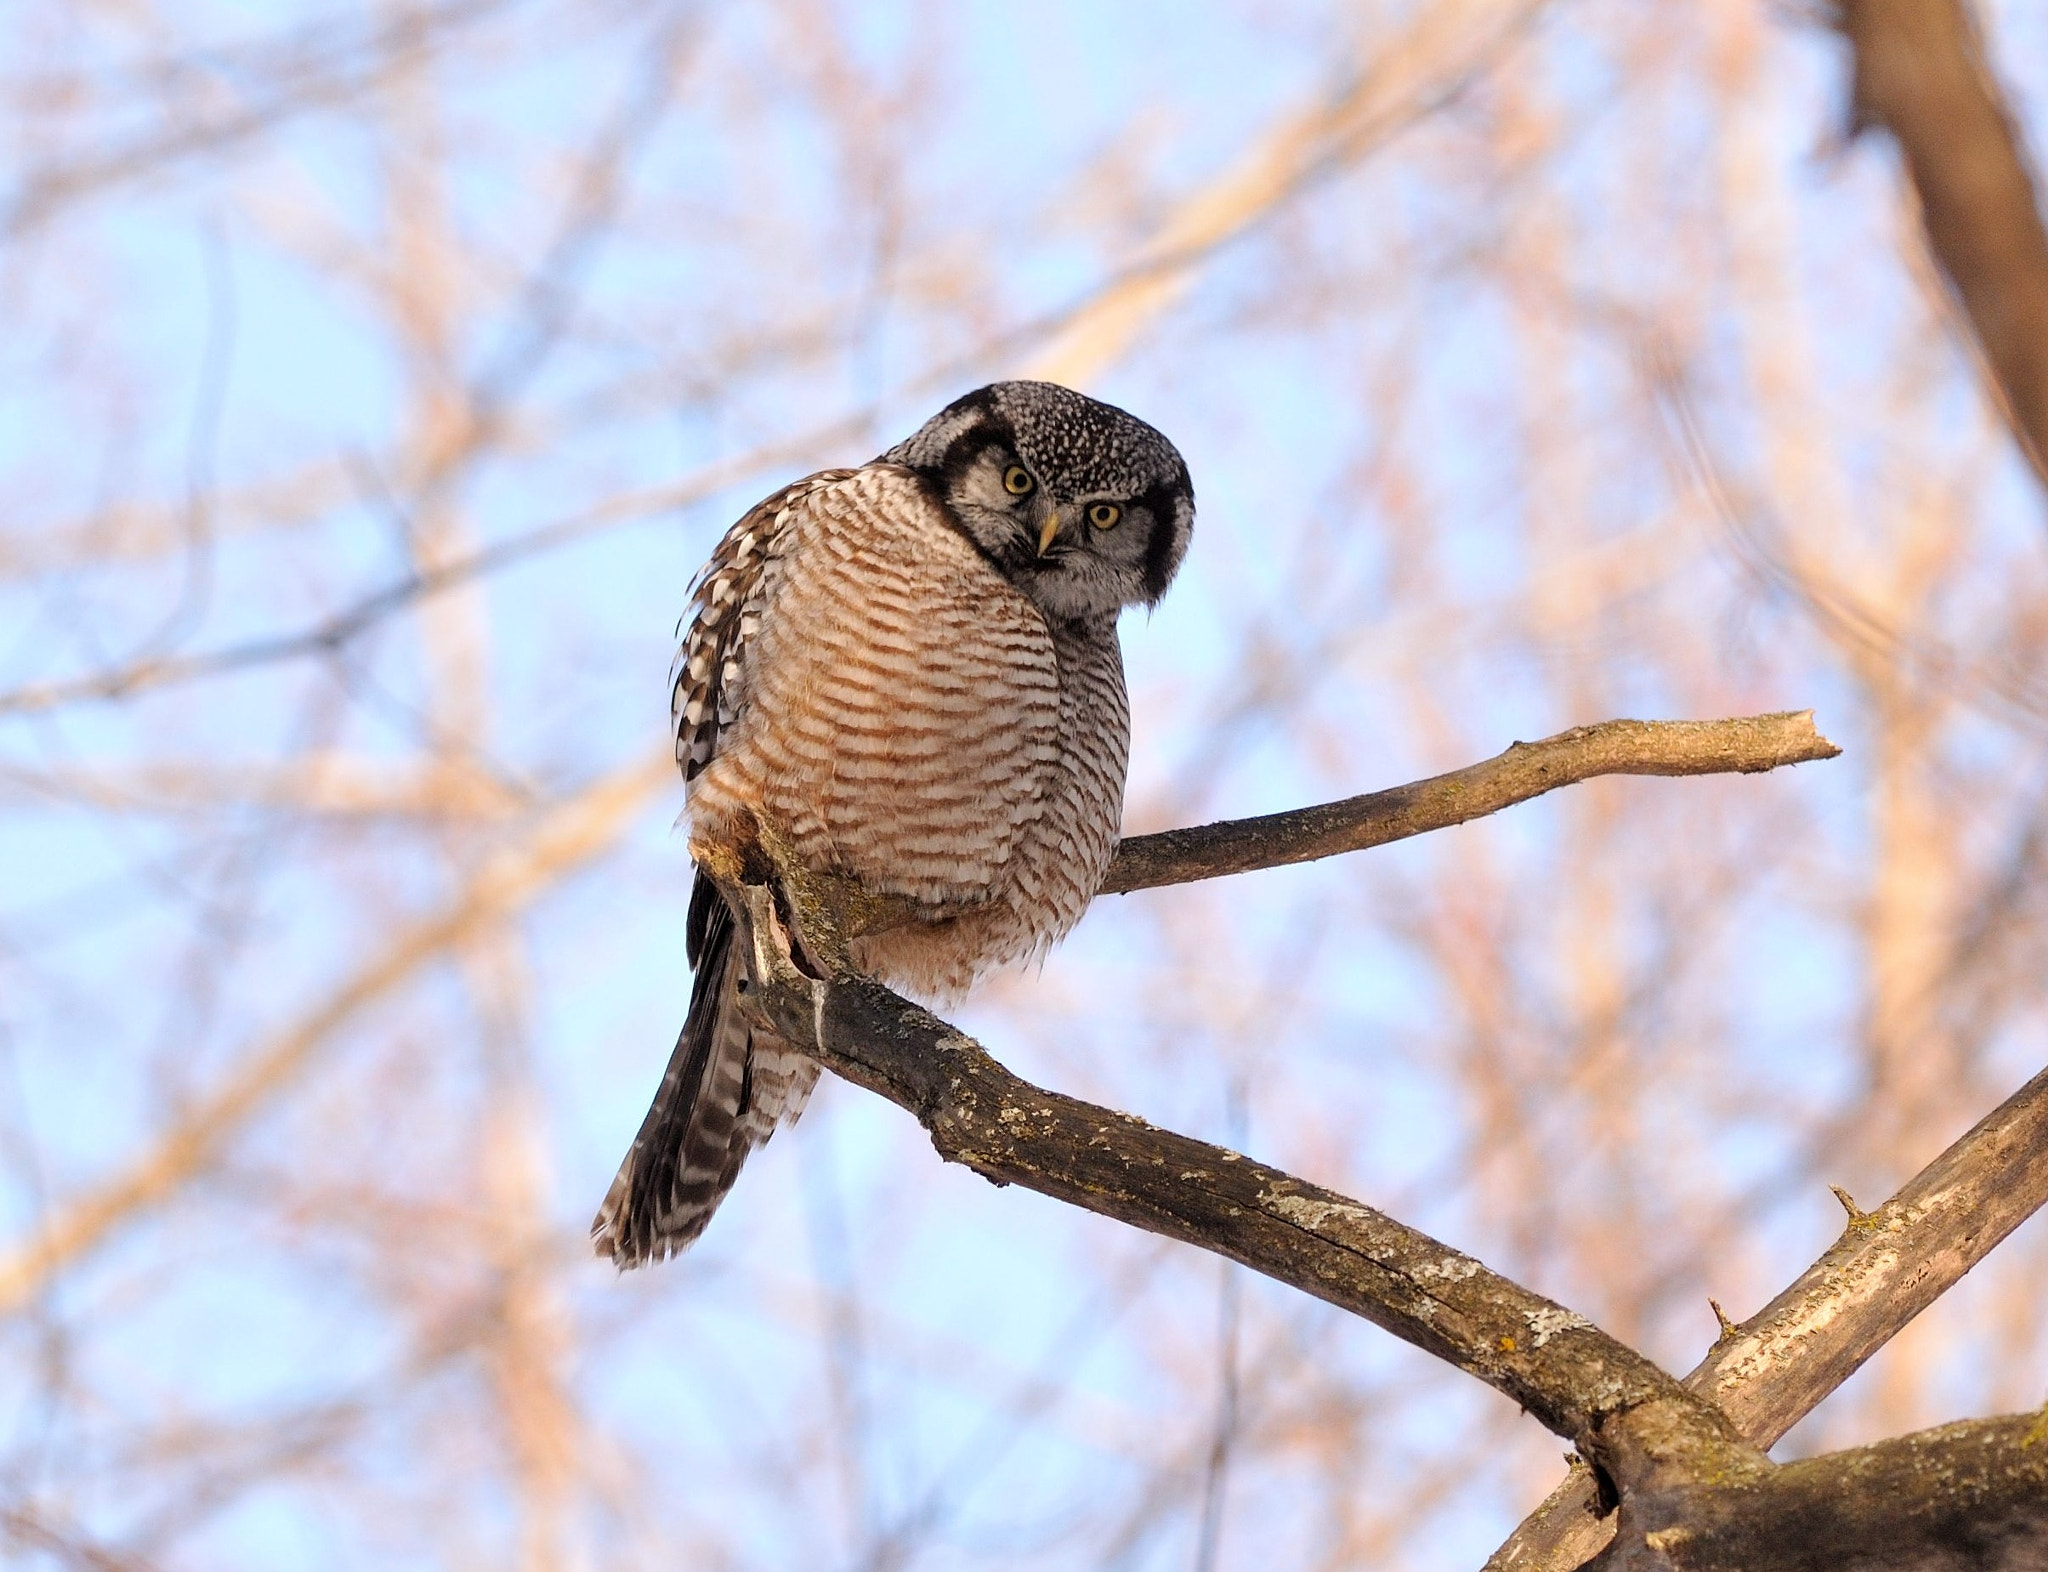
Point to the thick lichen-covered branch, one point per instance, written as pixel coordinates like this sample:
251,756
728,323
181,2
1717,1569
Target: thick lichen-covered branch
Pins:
1887,1266
1694,1493
1746,744
1968,1497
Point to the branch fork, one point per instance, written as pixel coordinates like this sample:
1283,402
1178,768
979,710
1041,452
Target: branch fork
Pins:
1683,1460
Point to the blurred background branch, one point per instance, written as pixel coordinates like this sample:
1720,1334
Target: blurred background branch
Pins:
377,376
1922,74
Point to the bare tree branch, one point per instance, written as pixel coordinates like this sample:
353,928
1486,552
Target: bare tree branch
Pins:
1747,745
1886,1268
1922,74
1689,1483
321,67
30,1531
1565,1371
338,629
1435,63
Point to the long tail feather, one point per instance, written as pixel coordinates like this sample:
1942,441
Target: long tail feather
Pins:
726,1088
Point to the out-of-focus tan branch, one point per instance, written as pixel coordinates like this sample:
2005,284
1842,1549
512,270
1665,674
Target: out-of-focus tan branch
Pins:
30,1531
327,784
1888,1266
1574,1378
1922,73
333,632
567,837
293,77
131,531
2004,683
1434,60
1746,744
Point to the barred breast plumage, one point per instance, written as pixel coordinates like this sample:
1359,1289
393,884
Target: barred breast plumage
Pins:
880,674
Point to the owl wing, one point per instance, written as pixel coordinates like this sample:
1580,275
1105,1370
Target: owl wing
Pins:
708,683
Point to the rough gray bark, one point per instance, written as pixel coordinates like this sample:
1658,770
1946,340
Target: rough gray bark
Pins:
1574,1378
1970,1495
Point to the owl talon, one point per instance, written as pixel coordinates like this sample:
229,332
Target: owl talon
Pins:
772,961
769,951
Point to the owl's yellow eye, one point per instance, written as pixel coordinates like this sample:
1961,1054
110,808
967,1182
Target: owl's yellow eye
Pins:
1017,480
1104,515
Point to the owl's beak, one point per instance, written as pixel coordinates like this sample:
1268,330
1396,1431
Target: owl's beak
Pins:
1047,531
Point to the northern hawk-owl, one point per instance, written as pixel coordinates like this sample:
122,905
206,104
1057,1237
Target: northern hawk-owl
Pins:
908,675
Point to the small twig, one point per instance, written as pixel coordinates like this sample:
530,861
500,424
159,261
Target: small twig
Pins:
1745,745
1856,1213
1727,1327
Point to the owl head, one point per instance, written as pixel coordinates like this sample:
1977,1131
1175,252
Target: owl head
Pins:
1084,508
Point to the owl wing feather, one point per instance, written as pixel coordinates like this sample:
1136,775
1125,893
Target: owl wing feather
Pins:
708,683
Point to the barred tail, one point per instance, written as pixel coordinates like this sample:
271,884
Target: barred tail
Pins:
726,1087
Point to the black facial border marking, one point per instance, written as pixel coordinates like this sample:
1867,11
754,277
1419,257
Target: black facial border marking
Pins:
1162,503
941,477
